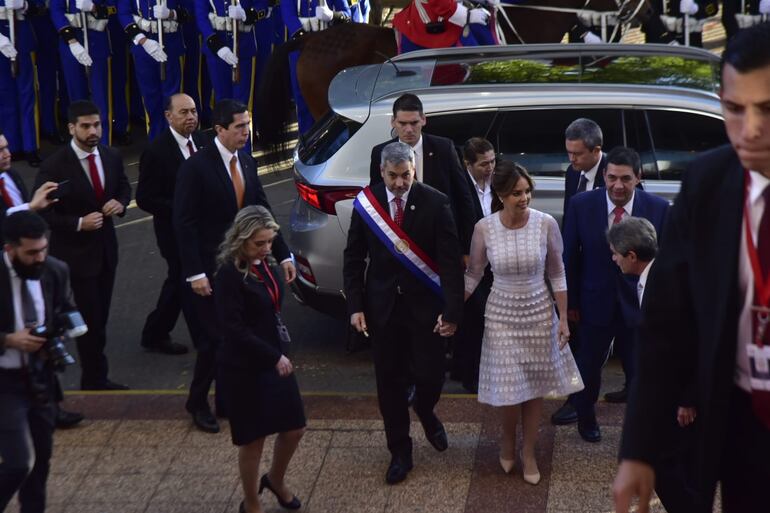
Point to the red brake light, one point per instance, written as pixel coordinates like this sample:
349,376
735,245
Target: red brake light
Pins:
324,199
303,266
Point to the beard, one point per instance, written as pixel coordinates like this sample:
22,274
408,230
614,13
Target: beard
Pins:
28,272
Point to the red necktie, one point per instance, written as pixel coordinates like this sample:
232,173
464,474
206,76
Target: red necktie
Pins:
4,192
618,212
93,172
399,211
760,399
190,147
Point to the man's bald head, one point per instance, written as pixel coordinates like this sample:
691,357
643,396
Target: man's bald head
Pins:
181,114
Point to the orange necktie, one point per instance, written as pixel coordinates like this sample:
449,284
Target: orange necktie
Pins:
237,181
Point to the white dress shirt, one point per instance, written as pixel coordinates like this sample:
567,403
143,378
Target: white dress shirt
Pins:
13,358
182,142
14,193
392,204
591,174
746,279
484,193
227,156
417,148
643,282
628,208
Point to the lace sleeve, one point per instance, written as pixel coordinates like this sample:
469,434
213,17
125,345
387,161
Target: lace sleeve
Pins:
478,258
554,265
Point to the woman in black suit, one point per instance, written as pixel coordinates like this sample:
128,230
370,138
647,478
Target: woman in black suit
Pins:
257,381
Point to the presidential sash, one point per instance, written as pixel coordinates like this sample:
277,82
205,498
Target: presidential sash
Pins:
397,241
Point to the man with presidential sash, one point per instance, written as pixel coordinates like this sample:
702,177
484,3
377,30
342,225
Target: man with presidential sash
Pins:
408,297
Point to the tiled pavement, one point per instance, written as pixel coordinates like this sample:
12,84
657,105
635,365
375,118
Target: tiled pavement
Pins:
138,453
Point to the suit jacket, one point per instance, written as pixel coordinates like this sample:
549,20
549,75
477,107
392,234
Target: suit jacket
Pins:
22,189
372,289
205,207
57,294
572,180
158,167
441,170
595,285
85,252
690,318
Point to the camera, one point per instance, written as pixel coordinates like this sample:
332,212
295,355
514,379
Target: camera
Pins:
65,326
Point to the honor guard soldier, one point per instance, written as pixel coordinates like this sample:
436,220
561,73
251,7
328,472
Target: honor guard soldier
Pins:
195,79
17,108
359,11
675,14
435,24
738,14
119,77
85,52
152,26
300,17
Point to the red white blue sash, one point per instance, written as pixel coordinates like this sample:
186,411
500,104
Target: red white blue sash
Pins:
396,240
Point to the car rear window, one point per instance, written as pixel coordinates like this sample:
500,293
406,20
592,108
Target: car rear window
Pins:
326,137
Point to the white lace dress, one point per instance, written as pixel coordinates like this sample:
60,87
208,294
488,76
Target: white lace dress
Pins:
520,356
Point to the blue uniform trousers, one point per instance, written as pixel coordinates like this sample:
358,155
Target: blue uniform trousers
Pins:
119,76
195,78
49,74
154,92
17,104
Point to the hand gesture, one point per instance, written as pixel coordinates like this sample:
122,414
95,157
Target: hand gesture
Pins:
445,329
161,12
40,198
14,4
688,7
685,415
6,48
236,12
480,16
227,55
154,50
358,321
113,207
80,54
284,367
563,333
92,221
289,272
323,13
24,341
85,5
634,479
201,286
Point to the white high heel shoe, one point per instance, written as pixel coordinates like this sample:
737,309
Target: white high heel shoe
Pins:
532,478
507,465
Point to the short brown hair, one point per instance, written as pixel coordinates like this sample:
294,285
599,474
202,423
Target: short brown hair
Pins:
474,147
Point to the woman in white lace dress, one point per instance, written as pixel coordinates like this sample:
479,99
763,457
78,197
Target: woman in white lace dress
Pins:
524,354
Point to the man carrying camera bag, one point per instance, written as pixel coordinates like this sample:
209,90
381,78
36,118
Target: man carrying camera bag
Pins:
34,292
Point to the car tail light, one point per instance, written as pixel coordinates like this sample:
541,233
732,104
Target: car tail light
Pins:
303,267
324,198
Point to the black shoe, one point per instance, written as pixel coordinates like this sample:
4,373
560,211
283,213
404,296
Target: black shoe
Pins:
437,437
617,397
33,158
67,419
242,508
400,465
106,385
564,415
165,346
294,503
589,430
205,421
123,139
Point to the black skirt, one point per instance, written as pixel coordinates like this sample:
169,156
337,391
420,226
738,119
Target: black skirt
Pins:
259,403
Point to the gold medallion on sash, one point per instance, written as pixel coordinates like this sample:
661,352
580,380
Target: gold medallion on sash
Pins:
401,246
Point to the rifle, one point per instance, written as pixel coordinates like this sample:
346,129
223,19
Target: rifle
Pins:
160,42
84,25
236,69
12,36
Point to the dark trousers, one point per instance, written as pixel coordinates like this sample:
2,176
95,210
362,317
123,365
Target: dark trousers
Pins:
161,321
93,296
26,443
407,351
745,460
467,342
675,471
594,349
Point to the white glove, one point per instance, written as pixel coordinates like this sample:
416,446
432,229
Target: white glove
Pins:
227,55
160,12
764,7
688,7
236,12
494,4
323,13
14,4
80,54
154,50
6,48
479,16
85,5
591,38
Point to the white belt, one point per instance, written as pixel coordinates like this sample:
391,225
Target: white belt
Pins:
226,23
675,24
151,26
312,24
4,13
748,20
93,23
594,18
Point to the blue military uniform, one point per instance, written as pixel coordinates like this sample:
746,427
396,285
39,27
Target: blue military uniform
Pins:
195,78
359,11
299,17
119,74
67,21
136,16
17,94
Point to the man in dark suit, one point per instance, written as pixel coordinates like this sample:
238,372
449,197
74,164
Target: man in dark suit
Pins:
407,310
34,289
158,168
436,163
83,230
14,198
601,300
479,159
212,186
704,307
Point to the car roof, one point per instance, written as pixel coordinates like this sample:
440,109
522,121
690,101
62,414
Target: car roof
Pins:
581,66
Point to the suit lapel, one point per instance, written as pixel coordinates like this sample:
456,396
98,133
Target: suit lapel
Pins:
249,174
79,178
599,178
382,196
640,205
428,160
477,206
411,207
223,174
109,177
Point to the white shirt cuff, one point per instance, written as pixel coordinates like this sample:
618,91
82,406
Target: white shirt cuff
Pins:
196,277
287,260
80,223
17,208
138,38
460,16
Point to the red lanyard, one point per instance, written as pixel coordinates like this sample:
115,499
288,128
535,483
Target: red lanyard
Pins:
761,288
273,290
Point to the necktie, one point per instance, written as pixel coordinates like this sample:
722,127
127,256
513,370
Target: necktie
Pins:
760,399
618,213
4,192
28,306
190,147
582,183
399,211
96,182
237,181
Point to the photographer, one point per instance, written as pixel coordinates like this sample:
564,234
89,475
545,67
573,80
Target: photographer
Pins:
34,290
